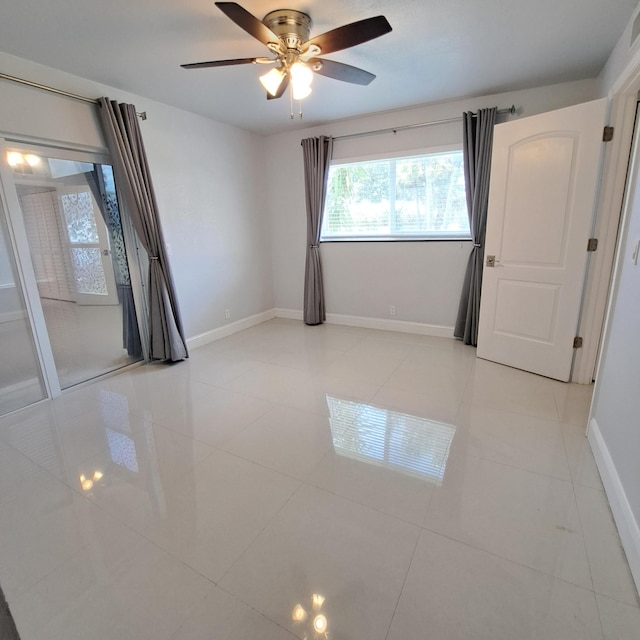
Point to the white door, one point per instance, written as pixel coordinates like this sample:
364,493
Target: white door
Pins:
88,247
544,176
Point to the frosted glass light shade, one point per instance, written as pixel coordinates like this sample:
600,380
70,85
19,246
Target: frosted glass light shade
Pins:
272,80
300,92
301,74
301,77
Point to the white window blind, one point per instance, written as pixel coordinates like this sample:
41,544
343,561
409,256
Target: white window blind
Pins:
405,198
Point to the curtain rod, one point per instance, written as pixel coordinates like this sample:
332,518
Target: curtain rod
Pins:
510,110
44,87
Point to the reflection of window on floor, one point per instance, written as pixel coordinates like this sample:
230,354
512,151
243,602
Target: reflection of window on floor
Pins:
122,450
407,443
132,447
115,415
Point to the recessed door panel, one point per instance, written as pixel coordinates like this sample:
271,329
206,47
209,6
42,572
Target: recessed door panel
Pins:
539,192
526,310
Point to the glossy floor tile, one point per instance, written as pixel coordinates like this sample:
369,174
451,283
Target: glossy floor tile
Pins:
457,592
311,482
353,556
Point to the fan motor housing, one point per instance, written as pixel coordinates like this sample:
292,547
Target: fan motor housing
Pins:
291,26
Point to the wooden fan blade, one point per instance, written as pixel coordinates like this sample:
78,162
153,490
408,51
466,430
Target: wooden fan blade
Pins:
281,89
340,71
218,63
350,34
248,22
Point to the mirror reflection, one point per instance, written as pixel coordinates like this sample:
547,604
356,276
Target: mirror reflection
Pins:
21,381
77,249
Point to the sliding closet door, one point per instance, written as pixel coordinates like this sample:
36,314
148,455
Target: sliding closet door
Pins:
70,213
21,381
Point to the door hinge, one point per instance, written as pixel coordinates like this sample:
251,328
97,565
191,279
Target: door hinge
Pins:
577,342
592,244
607,134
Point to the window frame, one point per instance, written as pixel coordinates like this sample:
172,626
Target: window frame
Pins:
456,236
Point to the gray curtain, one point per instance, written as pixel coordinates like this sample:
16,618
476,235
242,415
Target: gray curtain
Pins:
110,211
477,146
124,140
317,154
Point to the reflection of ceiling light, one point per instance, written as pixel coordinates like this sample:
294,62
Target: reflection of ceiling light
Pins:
32,159
87,483
318,625
15,159
299,614
272,80
317,601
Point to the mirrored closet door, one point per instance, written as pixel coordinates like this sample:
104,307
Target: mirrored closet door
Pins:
63,205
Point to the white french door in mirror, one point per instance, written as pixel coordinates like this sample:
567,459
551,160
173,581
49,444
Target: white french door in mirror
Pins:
86,242
66,206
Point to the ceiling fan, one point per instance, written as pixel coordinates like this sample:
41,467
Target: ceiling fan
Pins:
286,34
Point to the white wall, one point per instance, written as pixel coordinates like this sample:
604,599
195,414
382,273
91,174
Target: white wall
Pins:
619,59
615,416
209,183
422,279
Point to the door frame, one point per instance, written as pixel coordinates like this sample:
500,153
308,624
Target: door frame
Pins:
623,98
26,273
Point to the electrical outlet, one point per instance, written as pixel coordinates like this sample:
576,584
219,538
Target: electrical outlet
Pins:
392,310
227,313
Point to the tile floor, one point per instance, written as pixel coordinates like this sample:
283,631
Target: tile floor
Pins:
421,492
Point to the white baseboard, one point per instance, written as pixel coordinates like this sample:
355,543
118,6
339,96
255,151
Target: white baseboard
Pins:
291,314
622,513
332,318
229,329
383,324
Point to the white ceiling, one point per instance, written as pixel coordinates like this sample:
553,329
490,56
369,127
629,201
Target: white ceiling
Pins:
438,50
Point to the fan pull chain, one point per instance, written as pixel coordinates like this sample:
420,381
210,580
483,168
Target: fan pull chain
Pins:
290,101
291,105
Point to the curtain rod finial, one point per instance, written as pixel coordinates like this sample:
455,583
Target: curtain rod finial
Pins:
142,115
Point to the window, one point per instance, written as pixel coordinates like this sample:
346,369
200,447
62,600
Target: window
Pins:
410,198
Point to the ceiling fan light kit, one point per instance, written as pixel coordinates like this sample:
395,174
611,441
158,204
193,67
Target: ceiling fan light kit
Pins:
286,33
